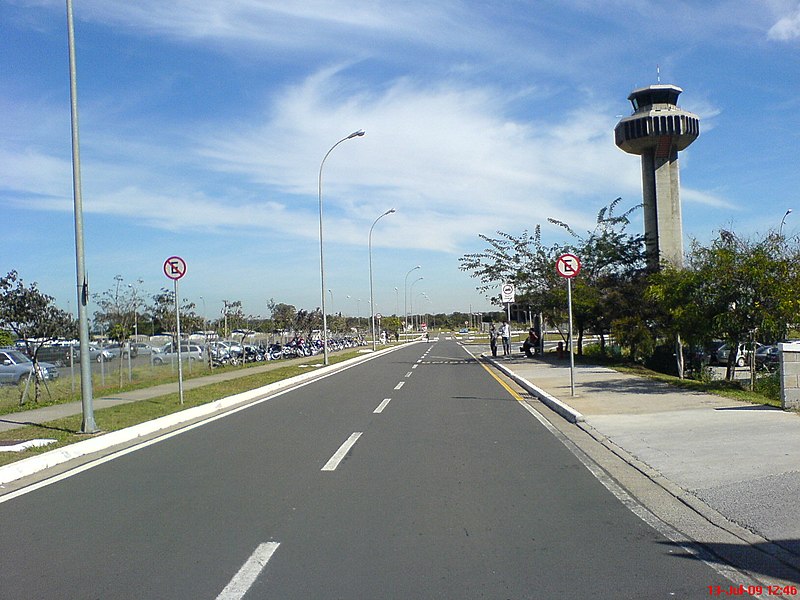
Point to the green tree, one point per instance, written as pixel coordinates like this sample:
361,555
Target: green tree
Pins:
282,315
736,289
392,324
32,317
611,258
163,313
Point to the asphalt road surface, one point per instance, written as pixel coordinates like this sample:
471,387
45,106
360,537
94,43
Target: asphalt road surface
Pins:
412,475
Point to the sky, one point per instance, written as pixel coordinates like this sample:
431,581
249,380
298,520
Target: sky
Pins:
204,123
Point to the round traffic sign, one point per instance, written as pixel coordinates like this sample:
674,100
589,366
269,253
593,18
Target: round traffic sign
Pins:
175,267
568,265
507,292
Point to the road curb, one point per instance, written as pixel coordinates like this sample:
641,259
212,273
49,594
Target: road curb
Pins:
563,409
46,460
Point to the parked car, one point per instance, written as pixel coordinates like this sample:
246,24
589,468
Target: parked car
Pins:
142,348
15,367
167,353
94,354
768,357
121,350
710,352
51,353
742,354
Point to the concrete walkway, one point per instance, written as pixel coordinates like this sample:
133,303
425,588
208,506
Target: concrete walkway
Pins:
741,460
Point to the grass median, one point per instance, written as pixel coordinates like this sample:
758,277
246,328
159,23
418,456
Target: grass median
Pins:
66,431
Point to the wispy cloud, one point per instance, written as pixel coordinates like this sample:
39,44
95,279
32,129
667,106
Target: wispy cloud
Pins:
787,28
437,150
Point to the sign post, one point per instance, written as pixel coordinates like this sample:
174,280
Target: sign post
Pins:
507,294
568,266
175,268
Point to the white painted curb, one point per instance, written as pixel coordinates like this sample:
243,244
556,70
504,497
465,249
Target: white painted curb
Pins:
566,411
34,464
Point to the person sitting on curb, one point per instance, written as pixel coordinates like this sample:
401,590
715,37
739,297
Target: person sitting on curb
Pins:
532,341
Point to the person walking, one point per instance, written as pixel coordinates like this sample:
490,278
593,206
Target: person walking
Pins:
505,334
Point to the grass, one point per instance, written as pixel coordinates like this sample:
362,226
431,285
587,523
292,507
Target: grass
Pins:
66,431
60,391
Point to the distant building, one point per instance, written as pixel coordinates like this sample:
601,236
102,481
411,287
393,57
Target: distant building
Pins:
657,130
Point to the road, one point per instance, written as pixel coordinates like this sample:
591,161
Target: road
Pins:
450,489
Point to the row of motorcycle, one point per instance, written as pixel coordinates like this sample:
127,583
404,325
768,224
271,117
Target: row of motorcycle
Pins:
222,354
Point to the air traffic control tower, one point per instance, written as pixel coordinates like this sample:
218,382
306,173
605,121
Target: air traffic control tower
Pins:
656,131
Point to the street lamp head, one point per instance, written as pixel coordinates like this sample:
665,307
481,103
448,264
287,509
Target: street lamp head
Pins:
358,133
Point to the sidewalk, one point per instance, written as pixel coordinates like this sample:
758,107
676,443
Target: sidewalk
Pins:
742,460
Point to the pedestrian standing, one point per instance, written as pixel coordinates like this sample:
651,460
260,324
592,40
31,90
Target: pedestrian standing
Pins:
505,334
493,340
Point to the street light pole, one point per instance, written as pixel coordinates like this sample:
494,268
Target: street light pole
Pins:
783,220
371,296
411,300
358,133
405,298
88,424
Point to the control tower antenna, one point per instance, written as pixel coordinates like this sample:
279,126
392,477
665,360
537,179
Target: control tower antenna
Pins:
657,130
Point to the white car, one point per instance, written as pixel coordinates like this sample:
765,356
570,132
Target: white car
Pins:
742,355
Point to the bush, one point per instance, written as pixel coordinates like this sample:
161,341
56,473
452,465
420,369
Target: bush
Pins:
593,351
769,386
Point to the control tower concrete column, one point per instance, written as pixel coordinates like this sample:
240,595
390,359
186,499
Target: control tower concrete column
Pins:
657,130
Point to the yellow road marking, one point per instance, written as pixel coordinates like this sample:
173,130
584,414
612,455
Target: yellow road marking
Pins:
514,394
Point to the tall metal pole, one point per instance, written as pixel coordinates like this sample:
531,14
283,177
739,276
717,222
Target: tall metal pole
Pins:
405,297
571,353
371,296
783,221
178,333
358,133
411,301
88,424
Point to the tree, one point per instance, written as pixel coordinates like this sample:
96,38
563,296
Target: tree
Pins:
282,315
391,324
734,290
163,312
233,315
307,321
611,259
32,316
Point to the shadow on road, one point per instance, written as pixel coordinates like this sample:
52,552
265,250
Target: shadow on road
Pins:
776,559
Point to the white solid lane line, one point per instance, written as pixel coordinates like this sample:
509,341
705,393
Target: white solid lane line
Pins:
342,452
247,575
382,405
399,385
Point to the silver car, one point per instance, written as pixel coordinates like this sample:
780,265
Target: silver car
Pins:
15,367
167,353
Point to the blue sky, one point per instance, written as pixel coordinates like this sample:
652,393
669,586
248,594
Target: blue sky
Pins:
203,125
